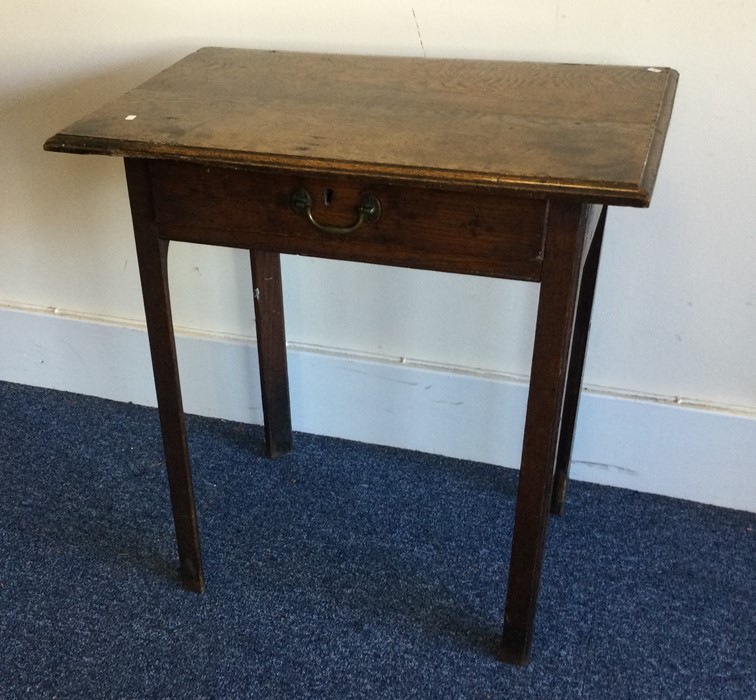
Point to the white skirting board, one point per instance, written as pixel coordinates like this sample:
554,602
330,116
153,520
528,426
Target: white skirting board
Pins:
648,445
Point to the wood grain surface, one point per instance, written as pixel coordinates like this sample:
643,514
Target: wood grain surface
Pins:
587,131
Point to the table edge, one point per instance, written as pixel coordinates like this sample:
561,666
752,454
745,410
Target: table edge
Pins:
661,129
621,194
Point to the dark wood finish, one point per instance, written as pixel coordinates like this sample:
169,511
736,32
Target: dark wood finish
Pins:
489,168
577,361
565,240
271,351
590,132
469,232
152,254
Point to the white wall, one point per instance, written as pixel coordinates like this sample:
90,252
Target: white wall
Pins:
676,309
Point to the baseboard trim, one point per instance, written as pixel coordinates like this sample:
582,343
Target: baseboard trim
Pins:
645,444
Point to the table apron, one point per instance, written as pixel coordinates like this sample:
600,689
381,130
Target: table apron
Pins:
478,232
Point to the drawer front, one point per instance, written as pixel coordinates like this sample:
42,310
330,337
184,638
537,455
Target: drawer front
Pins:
470,232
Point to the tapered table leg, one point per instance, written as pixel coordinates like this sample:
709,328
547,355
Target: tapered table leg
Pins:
152,254
577,361
554,327
271,351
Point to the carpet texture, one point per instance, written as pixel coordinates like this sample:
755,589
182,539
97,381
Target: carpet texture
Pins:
343,570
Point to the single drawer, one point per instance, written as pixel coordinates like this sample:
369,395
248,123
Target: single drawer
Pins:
480,232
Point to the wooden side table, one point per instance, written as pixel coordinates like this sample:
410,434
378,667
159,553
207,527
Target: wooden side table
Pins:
478,167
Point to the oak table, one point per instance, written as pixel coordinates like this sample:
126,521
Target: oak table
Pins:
502,169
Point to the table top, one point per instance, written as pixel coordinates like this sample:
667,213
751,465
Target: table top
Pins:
591,132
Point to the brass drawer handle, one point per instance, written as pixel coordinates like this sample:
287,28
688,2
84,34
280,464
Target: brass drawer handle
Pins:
368,210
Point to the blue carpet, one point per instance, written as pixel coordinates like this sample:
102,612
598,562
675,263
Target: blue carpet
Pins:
343,570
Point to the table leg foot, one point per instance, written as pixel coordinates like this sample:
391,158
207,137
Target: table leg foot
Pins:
192,578
278,449
515,646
